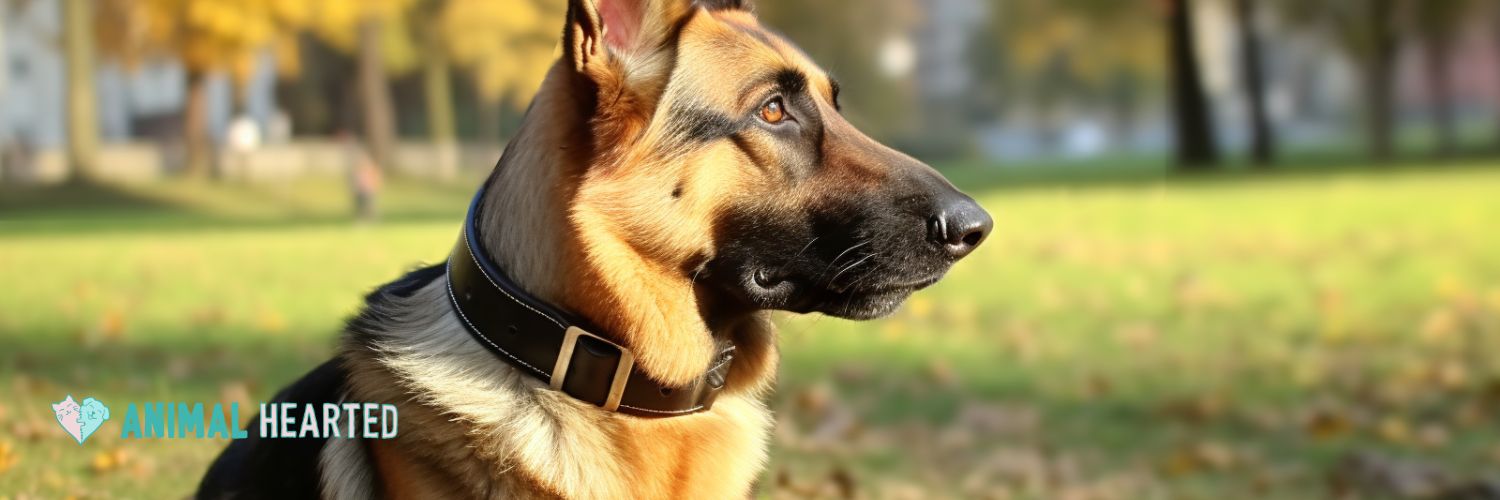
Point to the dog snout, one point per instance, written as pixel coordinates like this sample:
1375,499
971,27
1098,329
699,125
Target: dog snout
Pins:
959,225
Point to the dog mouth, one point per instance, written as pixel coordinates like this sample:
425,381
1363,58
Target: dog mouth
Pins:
870,296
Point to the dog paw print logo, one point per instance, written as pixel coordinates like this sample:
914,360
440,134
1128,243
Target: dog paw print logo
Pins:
80,420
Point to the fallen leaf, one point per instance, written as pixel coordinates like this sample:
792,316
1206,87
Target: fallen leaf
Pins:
941,372
112,325
1439,326
1328,424
1394,429
270,321
1195,410
842,480
8,456
108,461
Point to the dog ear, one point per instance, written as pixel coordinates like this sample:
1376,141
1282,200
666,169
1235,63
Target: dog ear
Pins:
602,32
583,38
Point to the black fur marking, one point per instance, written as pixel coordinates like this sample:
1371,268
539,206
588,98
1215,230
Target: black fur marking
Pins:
722,4
276,468
677,191
703,125
791,81
836,90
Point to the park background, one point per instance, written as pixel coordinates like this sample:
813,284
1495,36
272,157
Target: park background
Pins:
1244,248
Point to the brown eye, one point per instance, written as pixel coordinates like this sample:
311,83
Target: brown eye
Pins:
773,111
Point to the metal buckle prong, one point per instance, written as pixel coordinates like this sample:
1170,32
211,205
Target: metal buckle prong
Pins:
622,370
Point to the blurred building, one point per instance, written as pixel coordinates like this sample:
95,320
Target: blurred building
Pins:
134,103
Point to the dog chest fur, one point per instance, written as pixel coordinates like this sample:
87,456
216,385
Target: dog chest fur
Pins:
473,427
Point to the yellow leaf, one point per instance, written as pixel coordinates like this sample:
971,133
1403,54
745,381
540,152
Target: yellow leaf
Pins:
108,461
8,456
1394,429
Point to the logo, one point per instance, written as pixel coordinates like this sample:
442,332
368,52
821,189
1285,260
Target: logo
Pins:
284,420
80,420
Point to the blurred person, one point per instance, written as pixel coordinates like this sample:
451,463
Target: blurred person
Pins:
243,137
365,180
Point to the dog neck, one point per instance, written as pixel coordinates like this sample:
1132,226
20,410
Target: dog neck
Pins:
539,229
524,222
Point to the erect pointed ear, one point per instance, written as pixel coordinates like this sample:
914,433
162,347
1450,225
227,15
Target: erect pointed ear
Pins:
583,38
602,32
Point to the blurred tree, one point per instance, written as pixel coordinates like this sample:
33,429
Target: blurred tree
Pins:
207,37
4,77
1438,22
1366,31
505,46
1262,136
1197,145
305,69
83,117
375,94
849,42
1045,53
437,84
371,29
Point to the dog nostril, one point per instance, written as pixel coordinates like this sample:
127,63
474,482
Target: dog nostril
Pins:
937,229
973,238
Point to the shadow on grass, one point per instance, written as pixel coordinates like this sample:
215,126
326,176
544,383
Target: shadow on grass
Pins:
164,207
171,367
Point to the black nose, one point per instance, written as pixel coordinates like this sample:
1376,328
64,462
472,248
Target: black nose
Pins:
959,226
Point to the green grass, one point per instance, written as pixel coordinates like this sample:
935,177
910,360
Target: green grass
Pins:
1226,336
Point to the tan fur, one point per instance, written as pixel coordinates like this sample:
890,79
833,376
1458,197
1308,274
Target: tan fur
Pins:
580,215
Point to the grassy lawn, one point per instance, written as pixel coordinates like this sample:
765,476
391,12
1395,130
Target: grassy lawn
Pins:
1214,337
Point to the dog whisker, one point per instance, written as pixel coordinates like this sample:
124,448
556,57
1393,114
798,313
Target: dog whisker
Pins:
799,254
841,255
850,267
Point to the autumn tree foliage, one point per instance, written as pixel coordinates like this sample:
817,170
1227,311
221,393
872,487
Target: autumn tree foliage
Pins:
206,37
503,46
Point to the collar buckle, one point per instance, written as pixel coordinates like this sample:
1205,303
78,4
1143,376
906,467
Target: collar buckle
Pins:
616,384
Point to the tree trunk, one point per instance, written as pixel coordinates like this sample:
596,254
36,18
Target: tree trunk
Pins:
437,83
1440,93
4,68
1197,147
1380,81
198,163
487,124
4,77
1262,137
375,96
83,117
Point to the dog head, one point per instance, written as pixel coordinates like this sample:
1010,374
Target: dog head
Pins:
720,156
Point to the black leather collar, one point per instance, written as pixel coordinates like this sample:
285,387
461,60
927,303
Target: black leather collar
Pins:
558,347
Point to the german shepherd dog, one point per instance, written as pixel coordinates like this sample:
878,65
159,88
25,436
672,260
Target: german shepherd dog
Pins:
601,329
